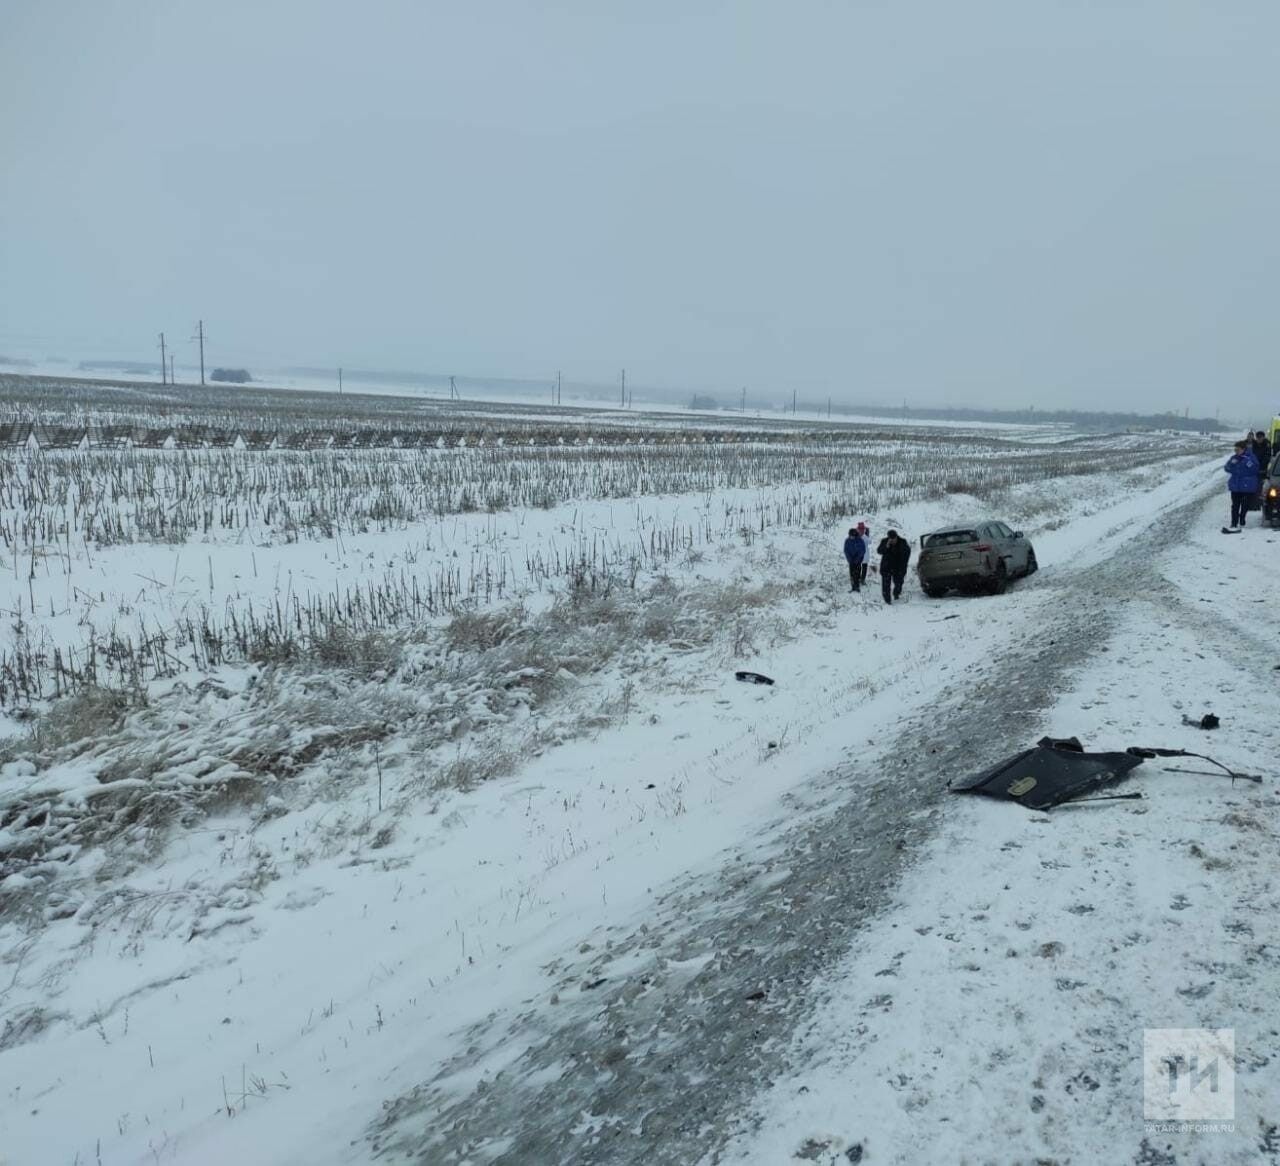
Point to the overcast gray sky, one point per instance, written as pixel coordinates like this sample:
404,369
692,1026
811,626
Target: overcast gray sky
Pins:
965,202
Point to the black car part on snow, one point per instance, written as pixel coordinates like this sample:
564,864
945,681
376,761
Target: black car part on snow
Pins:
1055,771
1059,770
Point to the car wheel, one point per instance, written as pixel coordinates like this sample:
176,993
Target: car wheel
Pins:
1001,580
1032,565
933,591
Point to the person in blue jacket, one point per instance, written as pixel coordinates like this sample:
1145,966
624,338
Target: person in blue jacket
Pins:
855,552
1243,482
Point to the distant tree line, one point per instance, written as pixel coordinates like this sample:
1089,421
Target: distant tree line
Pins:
234,376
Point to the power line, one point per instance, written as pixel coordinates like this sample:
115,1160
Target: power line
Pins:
200,336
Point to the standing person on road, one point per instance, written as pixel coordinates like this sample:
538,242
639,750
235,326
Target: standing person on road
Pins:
865,531
1243,482
855,552
1262,451
895,554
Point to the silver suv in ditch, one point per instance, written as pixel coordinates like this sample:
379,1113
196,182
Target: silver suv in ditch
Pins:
973,556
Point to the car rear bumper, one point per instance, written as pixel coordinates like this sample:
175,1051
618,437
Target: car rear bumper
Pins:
955,576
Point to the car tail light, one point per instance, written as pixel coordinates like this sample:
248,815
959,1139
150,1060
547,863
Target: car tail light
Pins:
983,548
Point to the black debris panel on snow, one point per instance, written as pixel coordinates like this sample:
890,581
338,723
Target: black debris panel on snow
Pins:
1055,771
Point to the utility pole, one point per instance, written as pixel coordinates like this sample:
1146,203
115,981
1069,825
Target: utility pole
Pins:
339,380
743,407
793,402
172,379
200,336
163,360
828,408
558,387
453,390
624,388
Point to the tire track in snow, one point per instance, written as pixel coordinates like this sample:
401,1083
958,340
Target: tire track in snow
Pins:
655,1043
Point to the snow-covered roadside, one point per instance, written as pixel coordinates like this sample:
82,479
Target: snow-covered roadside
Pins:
996,1010
141,607
393,948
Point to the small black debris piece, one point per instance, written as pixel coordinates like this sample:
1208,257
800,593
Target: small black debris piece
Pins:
753,677
1206,722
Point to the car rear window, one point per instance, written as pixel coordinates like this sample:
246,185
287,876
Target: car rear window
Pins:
950,538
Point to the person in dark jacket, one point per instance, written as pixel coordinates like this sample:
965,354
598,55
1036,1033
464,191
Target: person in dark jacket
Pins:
895,554
1243,482
1262,451
855,553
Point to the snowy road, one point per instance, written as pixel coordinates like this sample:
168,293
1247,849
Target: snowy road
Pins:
652,1045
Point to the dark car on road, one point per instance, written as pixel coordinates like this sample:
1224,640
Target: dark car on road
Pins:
973,556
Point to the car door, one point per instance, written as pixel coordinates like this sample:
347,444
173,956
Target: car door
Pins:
999,545
987,534
1003,548
1015,550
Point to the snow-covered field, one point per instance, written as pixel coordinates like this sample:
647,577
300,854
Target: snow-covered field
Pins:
329,906
130,563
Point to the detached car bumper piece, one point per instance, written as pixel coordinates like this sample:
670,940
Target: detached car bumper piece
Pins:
1055,771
